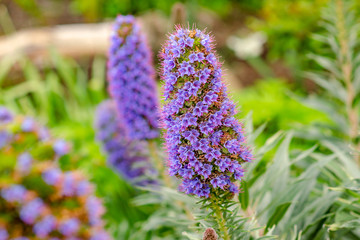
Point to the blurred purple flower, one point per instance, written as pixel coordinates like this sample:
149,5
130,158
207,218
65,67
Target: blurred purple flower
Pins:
69,227
3,234
44,226
61,147
125,155
5,115
131,79
31,210
24,163
52,176
95,210
4,138
14,193
28,125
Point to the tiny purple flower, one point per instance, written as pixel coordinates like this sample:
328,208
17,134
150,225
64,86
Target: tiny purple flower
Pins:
61,147
31,211
69,227
24,163
3,234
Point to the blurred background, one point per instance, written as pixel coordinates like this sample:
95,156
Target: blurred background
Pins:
53,66
260,42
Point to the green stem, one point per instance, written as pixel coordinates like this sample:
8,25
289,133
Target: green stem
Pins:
224,232
347,68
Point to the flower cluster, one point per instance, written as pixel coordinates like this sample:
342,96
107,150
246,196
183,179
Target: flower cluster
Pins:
38,199
131,79
125,155
205,142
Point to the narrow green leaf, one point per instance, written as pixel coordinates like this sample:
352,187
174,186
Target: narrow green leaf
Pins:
277,215
244,195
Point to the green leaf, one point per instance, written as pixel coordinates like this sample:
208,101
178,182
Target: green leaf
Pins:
244,195
277,215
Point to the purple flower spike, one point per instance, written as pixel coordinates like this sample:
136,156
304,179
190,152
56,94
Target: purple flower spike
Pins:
124,155
131,79
205,142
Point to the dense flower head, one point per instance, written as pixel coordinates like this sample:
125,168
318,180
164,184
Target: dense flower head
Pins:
205,142
37,198
131,79
126,156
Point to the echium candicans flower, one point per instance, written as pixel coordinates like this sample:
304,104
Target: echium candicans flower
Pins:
124,155
205,142
131,79
44,202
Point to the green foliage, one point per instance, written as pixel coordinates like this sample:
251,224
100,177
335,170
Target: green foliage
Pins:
314,193
99,9
288,26
270,101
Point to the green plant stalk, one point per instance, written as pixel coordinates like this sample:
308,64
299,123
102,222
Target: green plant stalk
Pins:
219,217
346,68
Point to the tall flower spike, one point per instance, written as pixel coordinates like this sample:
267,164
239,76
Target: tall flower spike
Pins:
131,79
205,142
126,156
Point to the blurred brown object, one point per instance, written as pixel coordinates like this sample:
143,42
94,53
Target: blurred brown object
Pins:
75,40
178,15
210,234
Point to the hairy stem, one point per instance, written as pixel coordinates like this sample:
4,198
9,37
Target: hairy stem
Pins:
219,217
346,68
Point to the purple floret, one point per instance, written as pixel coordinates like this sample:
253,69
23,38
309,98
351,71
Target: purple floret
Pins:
131,79
28,125
4,138
24,162
100,235
68,186
125,155
3,234
44,226
95,210
205,142
5,115
52,176
61,147
31,211
69,227
14,193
